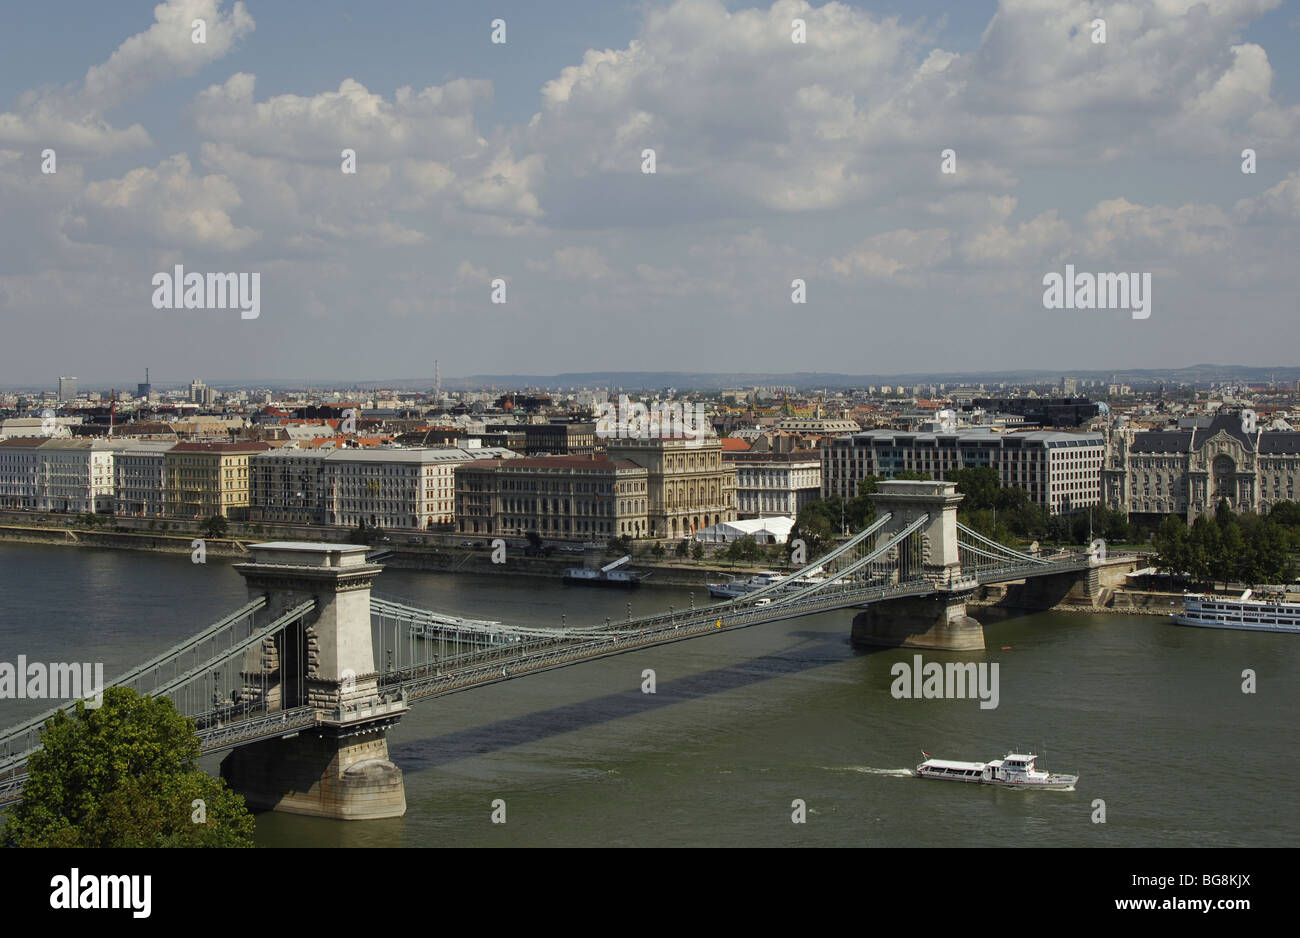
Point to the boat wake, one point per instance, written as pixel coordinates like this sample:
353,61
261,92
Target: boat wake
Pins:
870,770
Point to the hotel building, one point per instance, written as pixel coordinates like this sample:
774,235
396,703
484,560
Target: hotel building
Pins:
1060,471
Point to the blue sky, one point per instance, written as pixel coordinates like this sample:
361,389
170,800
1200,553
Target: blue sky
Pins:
776,161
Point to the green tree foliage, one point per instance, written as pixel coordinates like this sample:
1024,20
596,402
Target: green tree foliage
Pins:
819,522
1173,552
681,548
124,775
1286,515
744,549
1226,547
697,551
215,527
1004,514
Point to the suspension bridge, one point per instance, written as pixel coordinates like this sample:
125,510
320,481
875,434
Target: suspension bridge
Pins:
302,683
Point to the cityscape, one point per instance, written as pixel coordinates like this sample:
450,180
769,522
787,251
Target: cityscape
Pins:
683,424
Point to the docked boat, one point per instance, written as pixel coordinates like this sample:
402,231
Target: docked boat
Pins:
1014,770
743,585
612,574
1246,613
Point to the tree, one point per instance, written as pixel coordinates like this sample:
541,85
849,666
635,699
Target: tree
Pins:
620,545
1173,552
979,485
215,527
124,775
657,550
681,548
744,549
697,552
814,527
1203,549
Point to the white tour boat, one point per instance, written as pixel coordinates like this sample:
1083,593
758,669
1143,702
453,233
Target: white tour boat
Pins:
739,587
1014,770
1251,615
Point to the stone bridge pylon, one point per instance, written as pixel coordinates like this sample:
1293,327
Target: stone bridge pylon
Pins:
939,619
338,768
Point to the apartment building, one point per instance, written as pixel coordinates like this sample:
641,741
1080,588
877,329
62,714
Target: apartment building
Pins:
18,462
383,487
771,484
139,474
206,479
589,498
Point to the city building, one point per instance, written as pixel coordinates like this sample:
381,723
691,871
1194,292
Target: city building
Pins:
18,462
42,474
769,484
689,486
206,479
139,476
1043,411
588,498
383,487
1060,471
1188,471
559,438
67,389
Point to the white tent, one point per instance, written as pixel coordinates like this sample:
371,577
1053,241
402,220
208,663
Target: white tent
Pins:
763,530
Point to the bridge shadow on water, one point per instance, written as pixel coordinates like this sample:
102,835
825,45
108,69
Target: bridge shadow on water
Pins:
817,650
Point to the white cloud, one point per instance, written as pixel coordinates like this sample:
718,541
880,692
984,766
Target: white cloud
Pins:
167,205
72,117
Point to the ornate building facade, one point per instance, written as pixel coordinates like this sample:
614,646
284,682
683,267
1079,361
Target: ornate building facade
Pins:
689,486
1189,471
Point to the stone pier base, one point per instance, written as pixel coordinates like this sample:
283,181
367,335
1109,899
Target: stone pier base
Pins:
936,621
317,773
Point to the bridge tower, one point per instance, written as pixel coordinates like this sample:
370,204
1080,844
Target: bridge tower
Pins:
340,767
938,619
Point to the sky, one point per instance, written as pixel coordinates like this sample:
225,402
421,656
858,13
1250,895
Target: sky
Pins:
820,161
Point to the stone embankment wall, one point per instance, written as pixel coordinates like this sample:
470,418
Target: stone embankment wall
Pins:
66,537
1136,602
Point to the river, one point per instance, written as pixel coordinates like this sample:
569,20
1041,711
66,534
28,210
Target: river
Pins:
743,723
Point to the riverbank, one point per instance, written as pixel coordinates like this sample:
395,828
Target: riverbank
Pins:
441,559
121,540
1118,602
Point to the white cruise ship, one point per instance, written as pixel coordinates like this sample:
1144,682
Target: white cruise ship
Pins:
1245,613
1014,770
